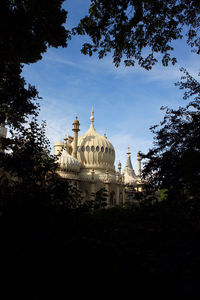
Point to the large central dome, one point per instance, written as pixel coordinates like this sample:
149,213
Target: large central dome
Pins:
94,150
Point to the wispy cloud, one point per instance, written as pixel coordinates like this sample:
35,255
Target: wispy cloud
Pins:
55,58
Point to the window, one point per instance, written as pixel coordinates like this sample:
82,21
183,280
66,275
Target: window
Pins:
87,148
92,148
106,150
102,149
109,150
97,148
83,148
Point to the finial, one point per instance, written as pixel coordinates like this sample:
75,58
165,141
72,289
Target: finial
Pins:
139,155
128,153
92,116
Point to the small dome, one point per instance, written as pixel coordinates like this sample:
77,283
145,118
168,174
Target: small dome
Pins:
129,177
94,150
68,163
76,121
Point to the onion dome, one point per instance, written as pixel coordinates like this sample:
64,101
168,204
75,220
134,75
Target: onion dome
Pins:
68,163
129,175
94,150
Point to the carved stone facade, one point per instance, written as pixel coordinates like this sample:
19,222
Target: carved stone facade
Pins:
88,161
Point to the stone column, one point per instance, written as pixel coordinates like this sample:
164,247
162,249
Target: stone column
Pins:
75,130
92,186
107,186
117,194
119,167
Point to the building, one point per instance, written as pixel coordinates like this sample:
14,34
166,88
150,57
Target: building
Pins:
88,162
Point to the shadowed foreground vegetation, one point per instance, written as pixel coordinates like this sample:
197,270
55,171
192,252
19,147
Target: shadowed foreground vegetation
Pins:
119,252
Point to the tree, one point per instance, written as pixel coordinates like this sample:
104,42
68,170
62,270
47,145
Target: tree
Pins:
174,161
30,26
28,176
28,165
138,30
28,29
17,101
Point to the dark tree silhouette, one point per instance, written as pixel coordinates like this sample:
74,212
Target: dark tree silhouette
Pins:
135,30
28,29
174,161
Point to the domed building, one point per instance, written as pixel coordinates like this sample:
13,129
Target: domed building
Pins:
88,161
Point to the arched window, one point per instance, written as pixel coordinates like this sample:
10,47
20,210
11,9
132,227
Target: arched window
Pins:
97,148
102,149
109,150
83,148
106,150
92,148
87,148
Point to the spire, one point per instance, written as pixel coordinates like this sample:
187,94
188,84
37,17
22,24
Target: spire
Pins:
65,141
92,118
119,167
128,160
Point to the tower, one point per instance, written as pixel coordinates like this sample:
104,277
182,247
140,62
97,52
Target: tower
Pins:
75,129
139,158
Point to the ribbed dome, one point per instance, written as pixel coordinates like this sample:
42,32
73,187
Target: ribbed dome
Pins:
95,151
68,163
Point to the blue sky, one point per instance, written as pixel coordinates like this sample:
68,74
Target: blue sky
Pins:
126,100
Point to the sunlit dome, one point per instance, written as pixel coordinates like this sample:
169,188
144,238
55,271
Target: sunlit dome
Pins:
94,150
68,163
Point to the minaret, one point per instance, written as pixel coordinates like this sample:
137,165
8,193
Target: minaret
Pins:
139,158
128,160
119,167
75,130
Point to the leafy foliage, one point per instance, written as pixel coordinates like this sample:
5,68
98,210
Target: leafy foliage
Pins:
17,101
136,30
30,26
28,176
174,162
28,29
